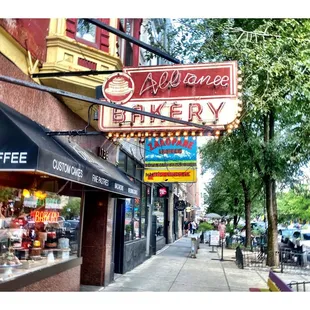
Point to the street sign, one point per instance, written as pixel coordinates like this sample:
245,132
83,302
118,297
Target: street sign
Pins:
180,205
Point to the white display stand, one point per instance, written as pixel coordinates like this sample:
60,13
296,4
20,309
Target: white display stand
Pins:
214,239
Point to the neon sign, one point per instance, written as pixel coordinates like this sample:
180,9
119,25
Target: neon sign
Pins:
45,216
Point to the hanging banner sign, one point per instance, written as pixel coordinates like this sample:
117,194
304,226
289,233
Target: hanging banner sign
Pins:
163,192
170,159
52,203
199,93
30,202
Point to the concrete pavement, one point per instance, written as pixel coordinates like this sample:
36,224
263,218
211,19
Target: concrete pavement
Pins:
173,270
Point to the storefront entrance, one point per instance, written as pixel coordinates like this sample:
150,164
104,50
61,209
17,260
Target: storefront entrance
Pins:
119,236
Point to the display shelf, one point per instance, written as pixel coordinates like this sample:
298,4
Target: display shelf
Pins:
56,250
10,266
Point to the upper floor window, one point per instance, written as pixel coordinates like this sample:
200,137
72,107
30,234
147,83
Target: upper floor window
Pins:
88,34
85,30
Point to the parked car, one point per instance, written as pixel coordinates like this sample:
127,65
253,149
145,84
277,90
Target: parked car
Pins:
71,228
302,238
285,233
259,225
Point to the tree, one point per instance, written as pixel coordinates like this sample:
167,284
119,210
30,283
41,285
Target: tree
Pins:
72,209
7,193
294,204
273,57
236,182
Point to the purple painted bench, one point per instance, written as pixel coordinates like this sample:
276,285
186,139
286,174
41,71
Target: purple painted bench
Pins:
275,284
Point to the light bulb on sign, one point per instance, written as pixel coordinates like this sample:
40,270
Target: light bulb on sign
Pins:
26,193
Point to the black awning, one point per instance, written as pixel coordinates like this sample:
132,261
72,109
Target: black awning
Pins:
25,146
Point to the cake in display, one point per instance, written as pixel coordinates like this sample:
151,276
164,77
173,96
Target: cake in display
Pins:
63,243
8,259
35,252
118,87
51,241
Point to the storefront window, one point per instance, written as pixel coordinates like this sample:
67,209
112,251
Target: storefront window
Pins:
128,219
139,172
136,218
159,212
36,229
135,209
130,167
159,209
122,161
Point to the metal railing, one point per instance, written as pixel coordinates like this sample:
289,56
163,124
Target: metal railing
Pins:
239,257
303,286
291,260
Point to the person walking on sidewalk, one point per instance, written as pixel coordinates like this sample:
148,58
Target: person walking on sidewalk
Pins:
186,226
193,227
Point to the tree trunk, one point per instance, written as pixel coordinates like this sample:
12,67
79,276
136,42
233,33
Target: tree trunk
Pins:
235,221
247,212
271,205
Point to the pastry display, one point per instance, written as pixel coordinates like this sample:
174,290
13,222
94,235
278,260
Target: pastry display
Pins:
35,252
22,254
51,245
36,244
8,259
16,240
63,243
51,240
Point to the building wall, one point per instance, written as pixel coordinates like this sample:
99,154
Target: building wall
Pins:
134,254
29,33
67,281
37,105
160,243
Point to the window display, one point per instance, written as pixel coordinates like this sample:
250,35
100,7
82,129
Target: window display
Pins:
36,230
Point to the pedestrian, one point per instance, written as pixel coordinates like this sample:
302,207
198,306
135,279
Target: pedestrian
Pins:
222,228
242,235
193,227
185,226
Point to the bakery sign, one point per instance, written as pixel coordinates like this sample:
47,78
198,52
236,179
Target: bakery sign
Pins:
205,94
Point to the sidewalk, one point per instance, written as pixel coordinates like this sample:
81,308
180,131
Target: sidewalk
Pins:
172,270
